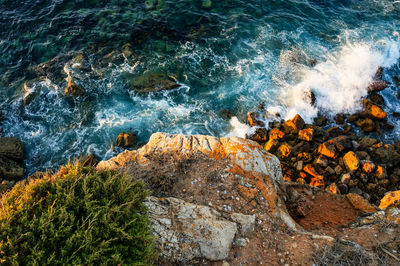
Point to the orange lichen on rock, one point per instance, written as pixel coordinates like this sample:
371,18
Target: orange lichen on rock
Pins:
327,149
294,125
360,203
284,151
380,172
309,169
391,198
373,110
332,188
251,119
271,145
306,134
300,181
276,134
247,192
317,182
351,161
368,166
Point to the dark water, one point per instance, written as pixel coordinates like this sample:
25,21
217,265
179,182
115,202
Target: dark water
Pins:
225,54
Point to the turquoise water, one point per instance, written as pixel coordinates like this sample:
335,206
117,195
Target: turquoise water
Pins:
226,55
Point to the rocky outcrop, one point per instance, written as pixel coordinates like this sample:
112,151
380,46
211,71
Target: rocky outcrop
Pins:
125,139
151,82
11,156
248,155
224,199
204,231
74,89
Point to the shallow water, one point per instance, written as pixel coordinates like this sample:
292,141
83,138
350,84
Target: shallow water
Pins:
230,55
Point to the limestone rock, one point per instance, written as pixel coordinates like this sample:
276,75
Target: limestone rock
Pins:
246,222
125,139
151,82
186,231
11,147
247,154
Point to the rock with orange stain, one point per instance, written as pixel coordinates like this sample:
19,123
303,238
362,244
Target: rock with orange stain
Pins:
271,145
253,121
393,214
300,180
247,192
360,203
368,166
390,199
74,89
276,134
327,149
332,188
284,151
317,182
373,110
309,169
351,161
306,134
380,172
294,125
247,154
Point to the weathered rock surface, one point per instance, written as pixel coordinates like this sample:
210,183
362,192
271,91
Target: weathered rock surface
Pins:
74,89
230,203
205,232
11,156
11,147
247,154
125,139
151,82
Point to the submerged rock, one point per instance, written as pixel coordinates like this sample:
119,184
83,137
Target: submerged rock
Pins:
151,82
125,139
74,89
11,147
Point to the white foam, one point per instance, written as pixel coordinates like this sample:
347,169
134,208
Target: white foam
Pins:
239,129
340,81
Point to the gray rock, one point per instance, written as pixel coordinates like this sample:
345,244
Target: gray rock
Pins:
151,82
247,223
186,231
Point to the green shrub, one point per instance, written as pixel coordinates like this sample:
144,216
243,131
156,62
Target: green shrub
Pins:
76,216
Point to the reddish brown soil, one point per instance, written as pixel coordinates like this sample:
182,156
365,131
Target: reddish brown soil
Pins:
316,209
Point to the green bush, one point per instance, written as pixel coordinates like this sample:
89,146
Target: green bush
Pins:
76,216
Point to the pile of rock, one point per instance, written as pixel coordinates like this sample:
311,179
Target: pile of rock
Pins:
336,159
11,157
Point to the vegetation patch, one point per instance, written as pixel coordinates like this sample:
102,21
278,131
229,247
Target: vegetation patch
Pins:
76,216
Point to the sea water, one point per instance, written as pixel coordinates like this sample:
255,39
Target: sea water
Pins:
230,55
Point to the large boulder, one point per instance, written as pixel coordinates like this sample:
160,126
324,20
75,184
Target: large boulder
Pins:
10,170
11,147
151,82
205,231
